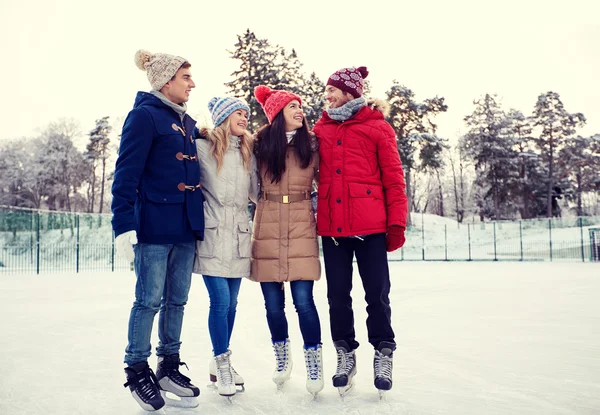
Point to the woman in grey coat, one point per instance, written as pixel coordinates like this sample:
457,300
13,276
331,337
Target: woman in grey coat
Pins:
228,178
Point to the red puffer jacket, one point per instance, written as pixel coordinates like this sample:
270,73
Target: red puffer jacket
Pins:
361,183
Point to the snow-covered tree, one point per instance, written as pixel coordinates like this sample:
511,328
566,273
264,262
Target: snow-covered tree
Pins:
413,123
555,126
489,145
96,154
63,167
580,163
314,99
264,64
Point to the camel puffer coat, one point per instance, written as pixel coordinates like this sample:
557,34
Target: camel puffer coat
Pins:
284,240
225,251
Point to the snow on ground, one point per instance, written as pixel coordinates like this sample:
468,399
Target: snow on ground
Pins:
474,338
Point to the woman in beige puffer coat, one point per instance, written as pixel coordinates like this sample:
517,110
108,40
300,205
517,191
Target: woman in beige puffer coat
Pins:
284,242
228,177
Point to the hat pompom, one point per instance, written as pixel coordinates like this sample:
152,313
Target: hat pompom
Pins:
212,102
141,58
261,93
363,71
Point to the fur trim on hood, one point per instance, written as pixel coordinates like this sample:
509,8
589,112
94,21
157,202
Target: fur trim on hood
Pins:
379,105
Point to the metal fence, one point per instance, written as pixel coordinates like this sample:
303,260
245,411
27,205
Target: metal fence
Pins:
38,242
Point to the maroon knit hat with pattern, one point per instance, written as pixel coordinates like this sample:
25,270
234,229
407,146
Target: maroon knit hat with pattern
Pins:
349,80
273,100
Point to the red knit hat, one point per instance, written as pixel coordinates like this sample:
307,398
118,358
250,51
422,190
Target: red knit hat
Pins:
272,100
349,80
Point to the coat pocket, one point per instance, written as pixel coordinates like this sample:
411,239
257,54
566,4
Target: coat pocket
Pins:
367,207
244,238
163,214
207,248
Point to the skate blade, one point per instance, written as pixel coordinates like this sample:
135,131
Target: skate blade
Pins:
344,390
240,388
179,401
382,394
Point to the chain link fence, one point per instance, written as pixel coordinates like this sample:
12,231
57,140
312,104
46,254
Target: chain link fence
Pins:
43,241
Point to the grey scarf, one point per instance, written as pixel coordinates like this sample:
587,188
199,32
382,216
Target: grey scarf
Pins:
179,109
347,111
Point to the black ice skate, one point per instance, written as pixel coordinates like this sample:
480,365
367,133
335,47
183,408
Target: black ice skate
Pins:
171,381
144,387
346,367
382,367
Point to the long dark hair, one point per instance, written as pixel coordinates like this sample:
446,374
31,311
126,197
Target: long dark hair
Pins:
271,146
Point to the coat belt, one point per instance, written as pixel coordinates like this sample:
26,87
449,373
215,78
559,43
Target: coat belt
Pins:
296,197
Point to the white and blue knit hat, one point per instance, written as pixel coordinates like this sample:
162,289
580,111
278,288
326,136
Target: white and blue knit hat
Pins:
221,108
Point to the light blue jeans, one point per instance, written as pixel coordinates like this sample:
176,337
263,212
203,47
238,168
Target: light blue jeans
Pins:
164,275
223,294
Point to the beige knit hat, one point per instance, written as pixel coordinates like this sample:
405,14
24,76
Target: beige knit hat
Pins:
159,66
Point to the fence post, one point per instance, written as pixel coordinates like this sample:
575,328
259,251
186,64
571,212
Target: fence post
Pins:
446,240
550,236
422,238
495,257
521,237
77,244
469,237
582,247
112,252
31,239
37,246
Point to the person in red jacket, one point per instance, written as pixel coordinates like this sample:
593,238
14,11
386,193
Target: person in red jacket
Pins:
362,210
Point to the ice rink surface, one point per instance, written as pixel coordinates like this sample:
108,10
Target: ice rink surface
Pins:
474,338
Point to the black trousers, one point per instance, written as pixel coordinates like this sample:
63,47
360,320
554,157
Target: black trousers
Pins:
371,257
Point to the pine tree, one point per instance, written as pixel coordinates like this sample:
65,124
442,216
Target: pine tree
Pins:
264,64
257,58
580,163
97,152
530,178
415,129
555,126
489,145
314,99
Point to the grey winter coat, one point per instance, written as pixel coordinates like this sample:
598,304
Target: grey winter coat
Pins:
225,251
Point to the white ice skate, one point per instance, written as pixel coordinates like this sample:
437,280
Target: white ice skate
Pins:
283,363
238,380
313,358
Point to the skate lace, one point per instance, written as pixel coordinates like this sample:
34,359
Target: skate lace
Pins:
147,382
312,364
281,355
344,362
178,377
383,365
225,375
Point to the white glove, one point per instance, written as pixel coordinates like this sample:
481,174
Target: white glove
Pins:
124,245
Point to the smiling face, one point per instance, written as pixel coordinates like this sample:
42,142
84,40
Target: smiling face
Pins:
336,97
293,115
238,122
178,89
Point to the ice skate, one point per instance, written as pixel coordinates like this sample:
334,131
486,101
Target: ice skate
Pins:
382,367
238,380
175,388
346,368
225,383
144,387
313,357
283,363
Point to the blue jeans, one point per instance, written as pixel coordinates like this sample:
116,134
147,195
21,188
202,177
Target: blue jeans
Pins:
302,295
164,275
223,294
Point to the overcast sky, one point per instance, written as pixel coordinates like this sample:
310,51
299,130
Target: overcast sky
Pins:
67,58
